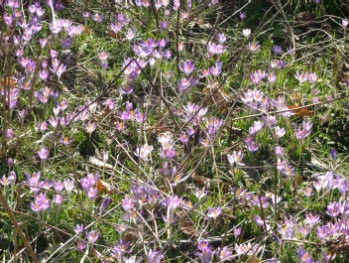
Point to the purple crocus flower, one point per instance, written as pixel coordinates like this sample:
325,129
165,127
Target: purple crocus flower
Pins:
127,204
206,253
214,212
41,203
120,249
104,204
79,228
92,236
154,256
43,153
173,202
187,67
224,253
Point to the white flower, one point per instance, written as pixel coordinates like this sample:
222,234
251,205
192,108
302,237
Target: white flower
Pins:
144,151
236,158
246,32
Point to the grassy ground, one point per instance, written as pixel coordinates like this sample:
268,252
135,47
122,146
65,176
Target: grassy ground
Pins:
173,131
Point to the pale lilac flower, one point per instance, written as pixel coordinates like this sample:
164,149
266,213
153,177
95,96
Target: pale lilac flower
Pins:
304,131
279,150
130,34
256,127
224,253
304,230
78,228
308,191
41,203
217,69
7,18
163,25
68,184
247,249
271,77
184,138
322,231
237,231
97,17
280,164
252,146
60,70
58,199
215,49
276,49
173,202
304,256
120,249
333,209
200,193
257,76
43,153
253,46
312,219
132,259
279,132
90,127
187,67
120,228
11,179
312,77
154,256
301,77
186,83
9,133
288,170
92,192
176,4
345,22
214,212
144,152
80,244
221,38
92,236
206,253
236,158
103,56
127,204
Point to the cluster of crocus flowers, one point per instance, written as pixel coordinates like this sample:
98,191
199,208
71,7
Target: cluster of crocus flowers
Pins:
306,77
121,21
193,113
130,114
64,25
236,158
285,168
206,252
251,144
213,124
143,152
255,100
257,76
89,185
187,67
304,130
8,180
168,149
133,68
